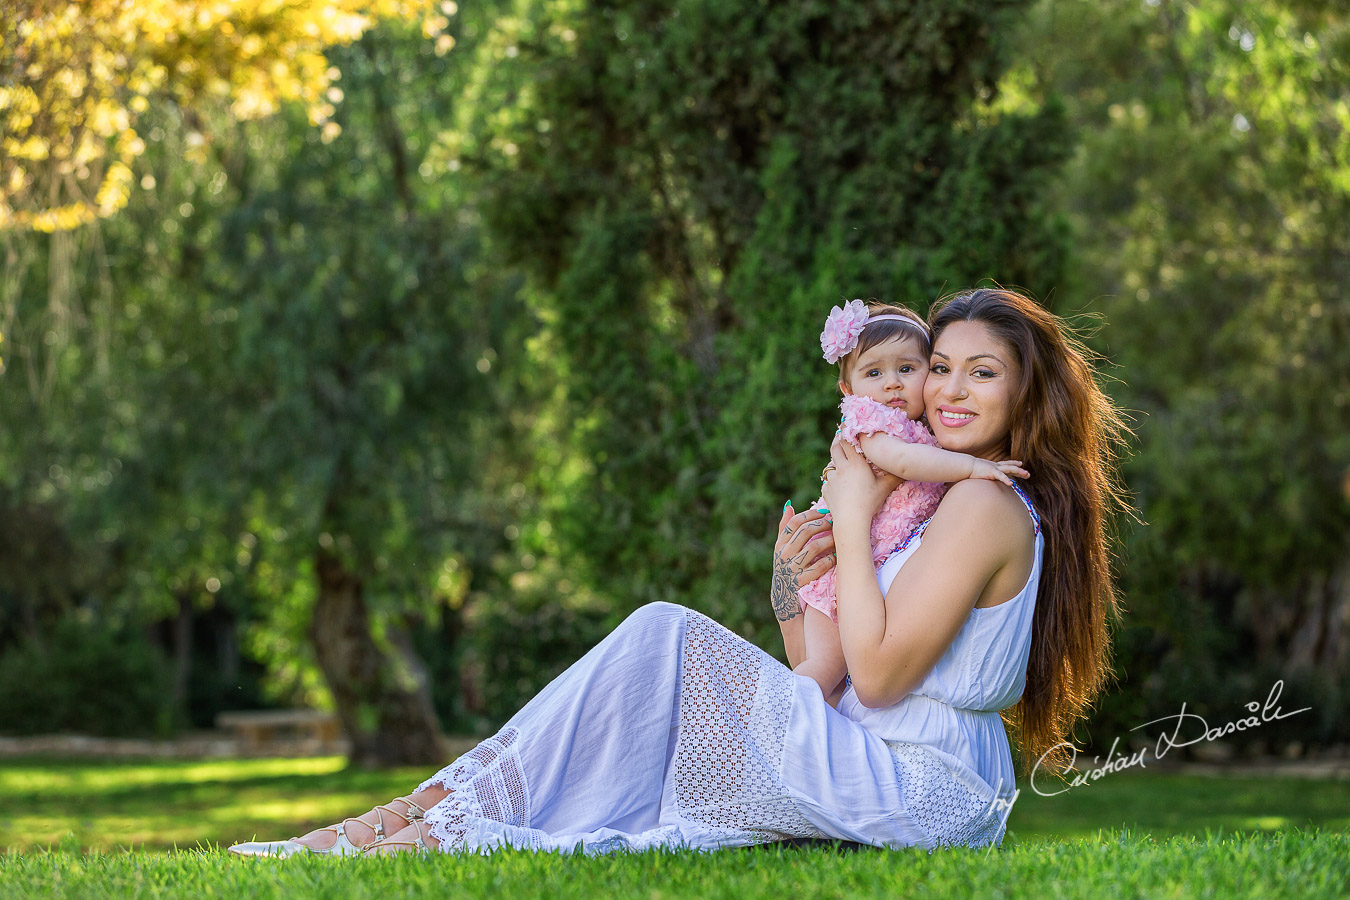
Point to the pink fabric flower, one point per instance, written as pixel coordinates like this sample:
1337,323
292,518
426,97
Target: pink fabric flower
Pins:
842,329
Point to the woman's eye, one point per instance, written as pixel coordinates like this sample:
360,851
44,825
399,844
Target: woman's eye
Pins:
983,373
938,369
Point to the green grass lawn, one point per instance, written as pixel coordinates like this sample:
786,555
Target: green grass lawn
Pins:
1288,864
1132,834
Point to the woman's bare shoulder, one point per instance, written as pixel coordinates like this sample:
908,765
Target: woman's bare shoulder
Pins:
993,509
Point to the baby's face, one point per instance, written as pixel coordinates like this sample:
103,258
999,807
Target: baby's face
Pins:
893,373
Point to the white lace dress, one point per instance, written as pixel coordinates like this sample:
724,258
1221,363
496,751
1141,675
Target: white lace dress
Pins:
675,732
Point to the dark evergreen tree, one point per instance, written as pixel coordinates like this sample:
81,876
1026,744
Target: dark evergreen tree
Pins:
691,186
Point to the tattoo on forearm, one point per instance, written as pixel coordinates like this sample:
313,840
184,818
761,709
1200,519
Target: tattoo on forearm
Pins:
786,606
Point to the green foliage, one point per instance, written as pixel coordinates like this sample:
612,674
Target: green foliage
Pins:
532,342
298,359
85,678
691,187
1209,203
352,330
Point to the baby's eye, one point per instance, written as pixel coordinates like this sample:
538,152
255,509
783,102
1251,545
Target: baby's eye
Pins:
905,370
872,373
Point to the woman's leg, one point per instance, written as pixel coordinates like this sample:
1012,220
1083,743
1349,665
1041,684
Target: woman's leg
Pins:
351,835
669,733
588,752
378,824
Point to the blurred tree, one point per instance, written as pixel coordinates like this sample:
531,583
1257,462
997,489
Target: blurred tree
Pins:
354,333
75,78
1211,203
291,411
691,187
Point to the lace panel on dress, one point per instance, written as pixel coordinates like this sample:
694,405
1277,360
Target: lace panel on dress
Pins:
947,810
734,707
485,783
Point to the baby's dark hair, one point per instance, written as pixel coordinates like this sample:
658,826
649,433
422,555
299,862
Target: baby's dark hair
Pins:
880,332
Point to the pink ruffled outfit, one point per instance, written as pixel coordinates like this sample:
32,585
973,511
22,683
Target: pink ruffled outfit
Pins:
907,506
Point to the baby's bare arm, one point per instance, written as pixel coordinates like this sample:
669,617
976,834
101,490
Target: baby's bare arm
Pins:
921,462
824,659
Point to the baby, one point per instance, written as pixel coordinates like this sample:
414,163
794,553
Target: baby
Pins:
883,356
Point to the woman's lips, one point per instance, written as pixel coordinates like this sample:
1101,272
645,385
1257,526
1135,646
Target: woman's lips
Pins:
955,416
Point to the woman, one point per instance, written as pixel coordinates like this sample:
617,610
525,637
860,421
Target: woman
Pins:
673,731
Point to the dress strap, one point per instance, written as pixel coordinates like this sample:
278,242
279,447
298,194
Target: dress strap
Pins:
916,533
913,536
1035,518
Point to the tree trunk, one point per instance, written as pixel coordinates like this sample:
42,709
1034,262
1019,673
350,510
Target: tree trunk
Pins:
384,709
1321,640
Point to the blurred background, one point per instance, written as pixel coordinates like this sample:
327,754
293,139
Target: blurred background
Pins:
378,358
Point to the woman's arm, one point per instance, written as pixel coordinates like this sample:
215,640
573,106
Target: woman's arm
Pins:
798,560
922,462
970,549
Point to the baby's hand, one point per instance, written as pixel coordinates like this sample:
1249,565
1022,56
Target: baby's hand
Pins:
998,471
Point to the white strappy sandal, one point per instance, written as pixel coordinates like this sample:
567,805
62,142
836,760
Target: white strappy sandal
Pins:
343,845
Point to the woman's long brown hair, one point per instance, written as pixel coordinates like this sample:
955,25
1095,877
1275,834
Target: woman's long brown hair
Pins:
1068,433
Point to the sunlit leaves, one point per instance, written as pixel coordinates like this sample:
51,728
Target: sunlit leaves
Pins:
75,76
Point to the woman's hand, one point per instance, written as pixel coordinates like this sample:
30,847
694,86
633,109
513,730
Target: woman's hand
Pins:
798,559
852,490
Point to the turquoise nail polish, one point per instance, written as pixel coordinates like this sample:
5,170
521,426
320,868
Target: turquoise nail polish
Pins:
787,504
823,511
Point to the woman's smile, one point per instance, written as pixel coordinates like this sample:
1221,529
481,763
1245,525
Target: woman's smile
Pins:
955,416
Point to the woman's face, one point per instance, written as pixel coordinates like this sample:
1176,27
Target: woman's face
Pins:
972,379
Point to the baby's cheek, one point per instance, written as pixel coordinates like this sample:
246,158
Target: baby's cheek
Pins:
916,409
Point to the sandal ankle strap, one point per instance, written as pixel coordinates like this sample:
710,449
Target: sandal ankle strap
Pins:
415,813
418,843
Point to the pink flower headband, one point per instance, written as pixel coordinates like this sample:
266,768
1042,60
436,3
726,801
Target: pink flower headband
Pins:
845,325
